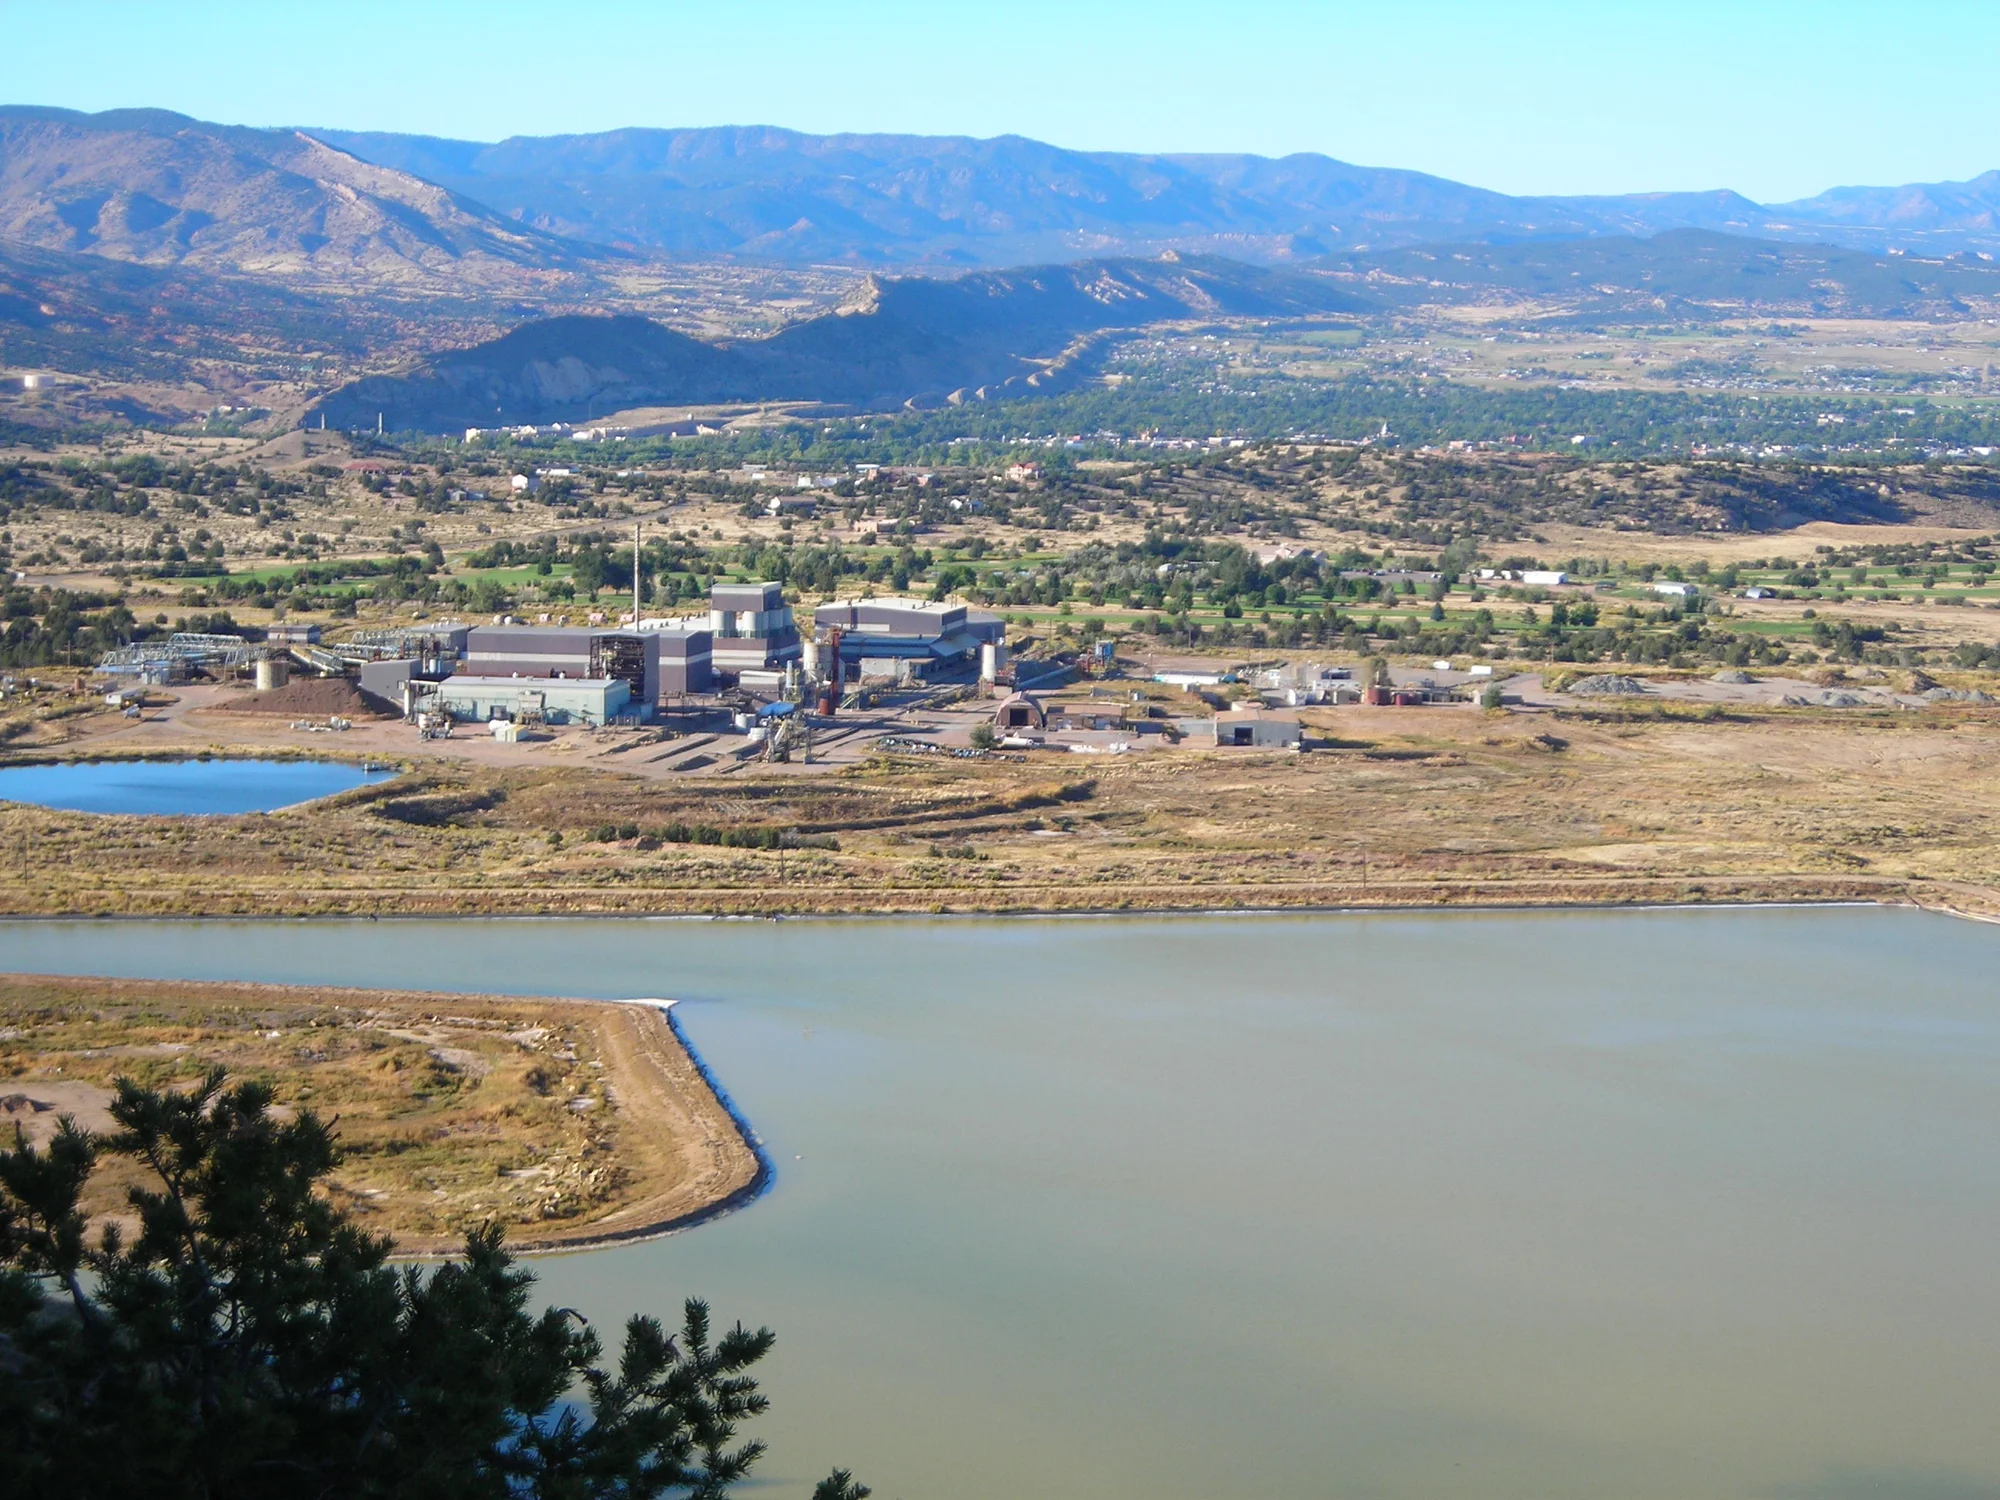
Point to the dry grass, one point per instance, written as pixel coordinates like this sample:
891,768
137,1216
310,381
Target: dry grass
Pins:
1435,806
566,1121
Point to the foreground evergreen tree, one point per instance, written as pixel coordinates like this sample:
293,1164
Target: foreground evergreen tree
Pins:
251,1341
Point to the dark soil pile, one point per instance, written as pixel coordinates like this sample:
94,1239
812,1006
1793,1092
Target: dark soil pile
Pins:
311,698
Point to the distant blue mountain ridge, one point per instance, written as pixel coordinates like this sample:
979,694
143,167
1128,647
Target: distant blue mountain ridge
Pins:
424,215
781,195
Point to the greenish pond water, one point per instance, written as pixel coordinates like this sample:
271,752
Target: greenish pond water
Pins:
1656,1204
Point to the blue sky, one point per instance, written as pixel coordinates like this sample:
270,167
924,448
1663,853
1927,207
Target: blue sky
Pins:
1777,99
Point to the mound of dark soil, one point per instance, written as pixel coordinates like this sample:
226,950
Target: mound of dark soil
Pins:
311,698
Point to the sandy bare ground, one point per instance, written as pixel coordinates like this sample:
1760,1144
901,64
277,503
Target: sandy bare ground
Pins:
618,1113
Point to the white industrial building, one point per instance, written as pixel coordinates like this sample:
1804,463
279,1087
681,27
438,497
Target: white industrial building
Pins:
550,700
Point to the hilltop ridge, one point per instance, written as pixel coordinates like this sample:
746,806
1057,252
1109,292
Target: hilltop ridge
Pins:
895,341
405,212
765,193
161,189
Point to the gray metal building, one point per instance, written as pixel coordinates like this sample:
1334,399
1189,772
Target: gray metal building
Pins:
1257,728
928,636
552,700
752,626
650,662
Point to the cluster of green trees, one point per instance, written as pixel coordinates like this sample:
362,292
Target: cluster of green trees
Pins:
1416,410
49,627
134,486
247,1341
689,833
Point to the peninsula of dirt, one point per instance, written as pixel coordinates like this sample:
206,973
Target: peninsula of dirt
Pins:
570,1122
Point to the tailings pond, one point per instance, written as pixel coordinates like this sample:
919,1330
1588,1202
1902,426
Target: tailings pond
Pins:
1655,1204
181,787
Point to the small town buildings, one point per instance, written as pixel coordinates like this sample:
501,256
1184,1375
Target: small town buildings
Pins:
1257,729
1673,590
1758,591
1544,578
289,633
1395,578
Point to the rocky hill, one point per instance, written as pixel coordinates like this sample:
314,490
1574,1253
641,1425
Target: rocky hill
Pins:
898,341
160,189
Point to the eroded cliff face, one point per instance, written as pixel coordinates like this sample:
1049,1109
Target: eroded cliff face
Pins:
901,341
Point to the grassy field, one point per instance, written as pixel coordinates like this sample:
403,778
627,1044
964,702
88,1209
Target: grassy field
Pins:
569,1122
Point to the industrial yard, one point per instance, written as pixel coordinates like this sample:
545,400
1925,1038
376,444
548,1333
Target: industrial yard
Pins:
1615,799
913,692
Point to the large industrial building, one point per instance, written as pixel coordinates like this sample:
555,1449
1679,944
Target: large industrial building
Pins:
752,626
559,675
894,636
562,674
652,663
548,700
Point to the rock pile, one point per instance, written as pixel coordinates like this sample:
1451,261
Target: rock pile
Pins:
1607,685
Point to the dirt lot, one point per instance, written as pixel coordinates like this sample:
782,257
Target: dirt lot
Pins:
570,1122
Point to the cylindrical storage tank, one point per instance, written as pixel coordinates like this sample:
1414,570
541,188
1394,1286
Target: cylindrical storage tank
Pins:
272,672
809,658
743,722
992,657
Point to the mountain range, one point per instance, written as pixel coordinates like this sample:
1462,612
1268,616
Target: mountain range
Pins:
160,189
411,212
895,199
897,341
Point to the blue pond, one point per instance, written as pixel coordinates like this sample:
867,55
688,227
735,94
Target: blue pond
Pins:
181,787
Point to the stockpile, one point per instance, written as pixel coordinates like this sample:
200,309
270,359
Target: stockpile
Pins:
1607,685
310,698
